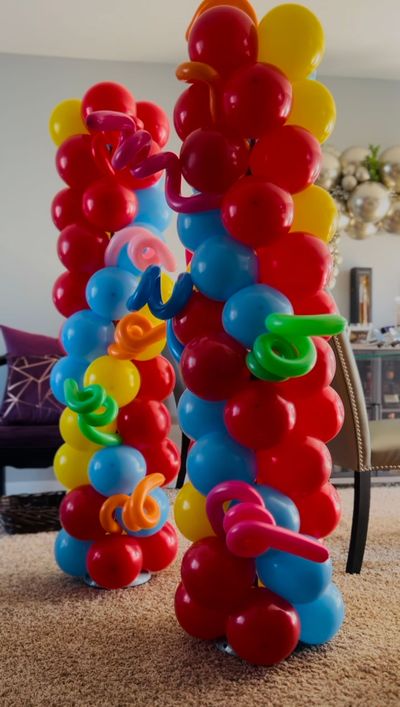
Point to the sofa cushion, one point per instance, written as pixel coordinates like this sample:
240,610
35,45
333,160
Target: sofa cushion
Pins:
23,343
28,398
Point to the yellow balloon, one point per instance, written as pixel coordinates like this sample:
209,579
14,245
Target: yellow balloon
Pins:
291,37
190,514
72,435
313,108
315,212
120,378
66,120
167,285
151,351
71,466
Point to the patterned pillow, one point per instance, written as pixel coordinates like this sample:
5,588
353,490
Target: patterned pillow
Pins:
28,398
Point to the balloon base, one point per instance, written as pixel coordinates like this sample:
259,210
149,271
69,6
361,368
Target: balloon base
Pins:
143,577
223,646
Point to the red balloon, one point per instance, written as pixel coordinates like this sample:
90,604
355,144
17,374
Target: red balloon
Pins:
126,178
297,264
257,417
320,303
159,550
157,378
212,162
265,630
69,292
155,121
225,38
163,458
66,208
320,512
75,162
143,422
214,577
115,561
108,95
299,465
109,205
197,620
256,212
200,317
81,248
79,513
255,100
214,367
319,377
289,157
192,110
320,415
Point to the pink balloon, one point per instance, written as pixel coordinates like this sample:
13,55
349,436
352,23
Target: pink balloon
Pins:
108,120
138,239
251,529
146,249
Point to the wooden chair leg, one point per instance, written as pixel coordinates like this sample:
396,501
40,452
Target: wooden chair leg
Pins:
359,528
184,453
2,480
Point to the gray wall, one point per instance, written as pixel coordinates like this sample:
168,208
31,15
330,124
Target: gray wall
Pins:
368,111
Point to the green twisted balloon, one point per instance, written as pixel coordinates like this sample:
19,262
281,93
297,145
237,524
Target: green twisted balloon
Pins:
85,403
286,350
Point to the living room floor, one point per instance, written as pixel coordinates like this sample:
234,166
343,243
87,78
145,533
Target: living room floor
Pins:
62,643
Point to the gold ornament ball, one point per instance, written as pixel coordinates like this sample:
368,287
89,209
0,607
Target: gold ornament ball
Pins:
391,223
369,202
390,168
360,231
353,156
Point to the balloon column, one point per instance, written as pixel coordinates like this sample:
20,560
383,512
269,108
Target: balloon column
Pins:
117,453
251,339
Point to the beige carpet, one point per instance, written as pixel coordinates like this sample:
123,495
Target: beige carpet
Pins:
65,644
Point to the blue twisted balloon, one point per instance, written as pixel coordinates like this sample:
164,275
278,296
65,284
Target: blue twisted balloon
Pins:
148,292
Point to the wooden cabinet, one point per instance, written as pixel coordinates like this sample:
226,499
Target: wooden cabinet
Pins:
380,377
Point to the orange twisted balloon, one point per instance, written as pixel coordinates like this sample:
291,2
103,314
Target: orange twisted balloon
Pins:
139,510
197,71
134,334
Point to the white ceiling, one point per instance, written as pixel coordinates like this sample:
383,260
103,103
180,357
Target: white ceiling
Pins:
362,36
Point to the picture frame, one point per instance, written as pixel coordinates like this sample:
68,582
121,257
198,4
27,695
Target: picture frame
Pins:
361,296
360,333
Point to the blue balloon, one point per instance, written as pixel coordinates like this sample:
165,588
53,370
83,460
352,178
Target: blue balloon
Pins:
116,470
199,417
71,554
152,207
244,314
86,335
221,266
66,367
162,499
108,291
194,229
216,457
282,508
174,345
293,578
321,619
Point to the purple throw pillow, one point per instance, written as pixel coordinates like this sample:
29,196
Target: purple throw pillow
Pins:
28,398
23,343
